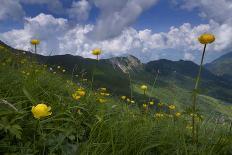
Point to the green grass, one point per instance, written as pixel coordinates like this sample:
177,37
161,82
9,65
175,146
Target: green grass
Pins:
89,127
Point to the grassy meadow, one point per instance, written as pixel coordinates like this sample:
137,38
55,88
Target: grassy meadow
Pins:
86,120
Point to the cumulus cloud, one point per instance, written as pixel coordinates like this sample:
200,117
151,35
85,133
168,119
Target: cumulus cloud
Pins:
178,43
43,27
79,10
218,10
57,37
189,56
11,9
117,16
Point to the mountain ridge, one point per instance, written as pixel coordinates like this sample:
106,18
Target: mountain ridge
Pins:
113,73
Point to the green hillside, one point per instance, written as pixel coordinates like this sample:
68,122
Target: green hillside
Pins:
222,65
99,121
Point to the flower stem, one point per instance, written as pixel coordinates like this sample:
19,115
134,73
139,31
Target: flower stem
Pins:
195,96
156,77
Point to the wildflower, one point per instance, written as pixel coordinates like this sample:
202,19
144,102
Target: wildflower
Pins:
107,94
41,110
102,89
158,115
189,127
75,96
81,92
144,105
132,101
172,107
35,42
128,100
123,97
144,88
96,52
151,103
63,70
58,67
102,100
177,114
206,38
28,74
102,94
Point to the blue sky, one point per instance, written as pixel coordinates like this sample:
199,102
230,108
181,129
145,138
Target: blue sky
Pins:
148,29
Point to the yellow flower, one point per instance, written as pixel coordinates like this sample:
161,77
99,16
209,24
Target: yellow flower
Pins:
107,94
102,89
123,97
102,100
96,51
151,103
145,105
35,42
76,97
177,114
41,110
159,115
206,38
80,89
81,92
144,87
172,107
103,94
189,127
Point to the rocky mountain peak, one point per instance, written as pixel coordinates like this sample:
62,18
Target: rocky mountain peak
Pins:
126,64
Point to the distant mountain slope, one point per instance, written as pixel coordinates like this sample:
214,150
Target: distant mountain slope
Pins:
183,74
113,74
221,66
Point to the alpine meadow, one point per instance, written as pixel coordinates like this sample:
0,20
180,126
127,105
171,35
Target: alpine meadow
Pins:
106,77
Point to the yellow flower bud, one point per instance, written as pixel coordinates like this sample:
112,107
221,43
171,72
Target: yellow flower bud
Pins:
143,87
123,97
206,38
35,42
96,51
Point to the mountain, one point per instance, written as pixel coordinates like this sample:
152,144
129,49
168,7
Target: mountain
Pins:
221,66
183,73
113,74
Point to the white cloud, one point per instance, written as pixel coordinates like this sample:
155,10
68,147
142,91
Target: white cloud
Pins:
11,9
79,10
117,16
218,10
59,38
189,56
